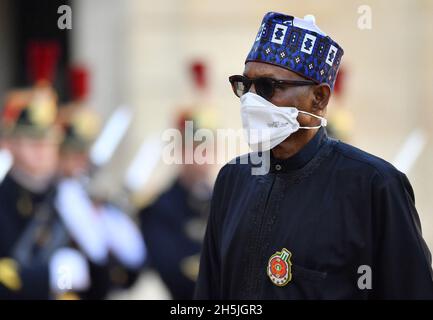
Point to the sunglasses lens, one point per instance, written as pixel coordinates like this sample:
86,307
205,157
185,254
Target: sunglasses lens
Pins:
240,85
264,88
240,88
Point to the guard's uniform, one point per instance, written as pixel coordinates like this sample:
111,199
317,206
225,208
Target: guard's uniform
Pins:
24,274
173,227
107,236
34,244
17,208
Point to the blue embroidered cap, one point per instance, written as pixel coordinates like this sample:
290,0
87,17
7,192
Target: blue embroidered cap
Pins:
298,45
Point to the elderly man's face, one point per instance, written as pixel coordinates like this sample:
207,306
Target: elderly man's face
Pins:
312,99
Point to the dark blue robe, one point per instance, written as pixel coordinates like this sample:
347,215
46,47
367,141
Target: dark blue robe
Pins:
337,209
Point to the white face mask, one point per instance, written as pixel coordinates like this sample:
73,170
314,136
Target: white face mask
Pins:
267,125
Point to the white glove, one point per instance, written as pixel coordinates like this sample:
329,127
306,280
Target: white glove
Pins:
123,237
68,271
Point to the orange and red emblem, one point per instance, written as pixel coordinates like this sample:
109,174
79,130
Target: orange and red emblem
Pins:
280,267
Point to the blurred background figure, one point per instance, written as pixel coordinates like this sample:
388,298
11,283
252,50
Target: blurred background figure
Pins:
27,268
175,223
80,128
110,240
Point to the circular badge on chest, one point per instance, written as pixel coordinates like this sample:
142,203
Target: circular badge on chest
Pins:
280,267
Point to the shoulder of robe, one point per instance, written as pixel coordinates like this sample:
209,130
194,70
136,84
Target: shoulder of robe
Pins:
241,165
230,175
365,163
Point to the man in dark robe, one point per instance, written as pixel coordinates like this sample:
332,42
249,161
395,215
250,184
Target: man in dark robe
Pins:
326,220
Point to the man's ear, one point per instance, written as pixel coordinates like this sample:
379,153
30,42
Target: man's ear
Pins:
321,96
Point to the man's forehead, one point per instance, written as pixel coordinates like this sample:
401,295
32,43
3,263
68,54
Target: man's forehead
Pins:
260,69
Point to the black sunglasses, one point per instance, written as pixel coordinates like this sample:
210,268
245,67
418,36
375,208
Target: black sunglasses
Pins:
264,86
